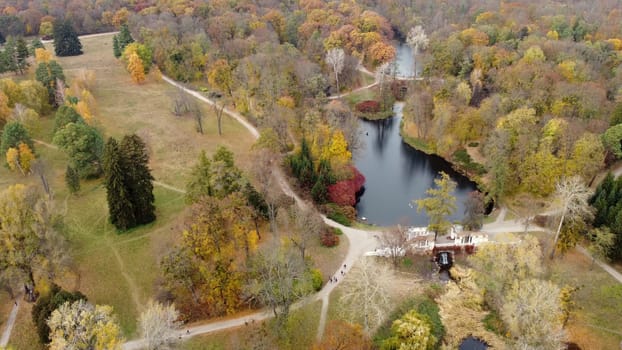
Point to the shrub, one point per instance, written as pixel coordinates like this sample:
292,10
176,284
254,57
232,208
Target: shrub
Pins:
464,159
368,106
316,279
329,239
340,218
337,231
344,192
341,214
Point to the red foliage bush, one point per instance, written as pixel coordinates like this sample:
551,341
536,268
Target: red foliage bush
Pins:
329,239
368,106
344,192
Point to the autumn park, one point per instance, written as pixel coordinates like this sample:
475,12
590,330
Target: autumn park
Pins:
326,175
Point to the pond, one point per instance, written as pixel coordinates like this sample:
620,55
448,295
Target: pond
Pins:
396,174
404,61
472,343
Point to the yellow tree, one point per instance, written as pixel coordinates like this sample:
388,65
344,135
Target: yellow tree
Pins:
136,68
5,111
336,151
20,158
82,325
217,232
42,55
220,76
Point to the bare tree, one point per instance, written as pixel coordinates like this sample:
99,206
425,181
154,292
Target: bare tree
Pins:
396,242
159,324
571,196
335,57
381,74
339,115
307,225
181,103
418,40
59,93
277,279
263,166
197,113
532,310
219,109
39,168
366,294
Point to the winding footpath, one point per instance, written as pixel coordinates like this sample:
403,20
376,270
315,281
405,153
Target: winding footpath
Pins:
9,325
361,241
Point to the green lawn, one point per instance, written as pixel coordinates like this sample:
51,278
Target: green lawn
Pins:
597,323
122,269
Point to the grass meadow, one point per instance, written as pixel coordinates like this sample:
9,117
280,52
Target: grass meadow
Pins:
121,269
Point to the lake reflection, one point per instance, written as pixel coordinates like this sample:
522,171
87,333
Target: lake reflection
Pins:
396,174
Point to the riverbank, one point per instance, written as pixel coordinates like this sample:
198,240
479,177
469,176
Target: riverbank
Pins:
460,167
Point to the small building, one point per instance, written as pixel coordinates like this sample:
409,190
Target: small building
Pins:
457,239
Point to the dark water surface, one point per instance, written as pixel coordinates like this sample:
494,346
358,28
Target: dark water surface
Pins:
396,174
471,343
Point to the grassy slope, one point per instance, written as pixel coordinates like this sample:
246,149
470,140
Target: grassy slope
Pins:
599,300
121,269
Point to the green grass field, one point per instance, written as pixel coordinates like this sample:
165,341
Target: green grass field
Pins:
597,322
122,269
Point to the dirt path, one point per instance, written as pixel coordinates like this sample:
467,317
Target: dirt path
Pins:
48,145
610,270
127,277
354,91
237,116
169,187
84,36
9,325
360,242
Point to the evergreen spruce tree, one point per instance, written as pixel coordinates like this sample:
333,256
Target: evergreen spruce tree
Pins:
138,178
72,180
13,134
116,50
35,44
121,40
66,42
200,183
21,55
4,62
120,207
48,74
10,55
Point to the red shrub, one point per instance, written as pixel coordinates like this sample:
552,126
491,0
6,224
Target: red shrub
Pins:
368,106
344,192
329,239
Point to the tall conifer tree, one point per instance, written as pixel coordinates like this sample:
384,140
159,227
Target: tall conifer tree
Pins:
119,199
66,42
138,178
72,180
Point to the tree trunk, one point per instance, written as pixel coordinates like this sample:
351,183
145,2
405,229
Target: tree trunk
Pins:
257,227
337,81
559,228
272,217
